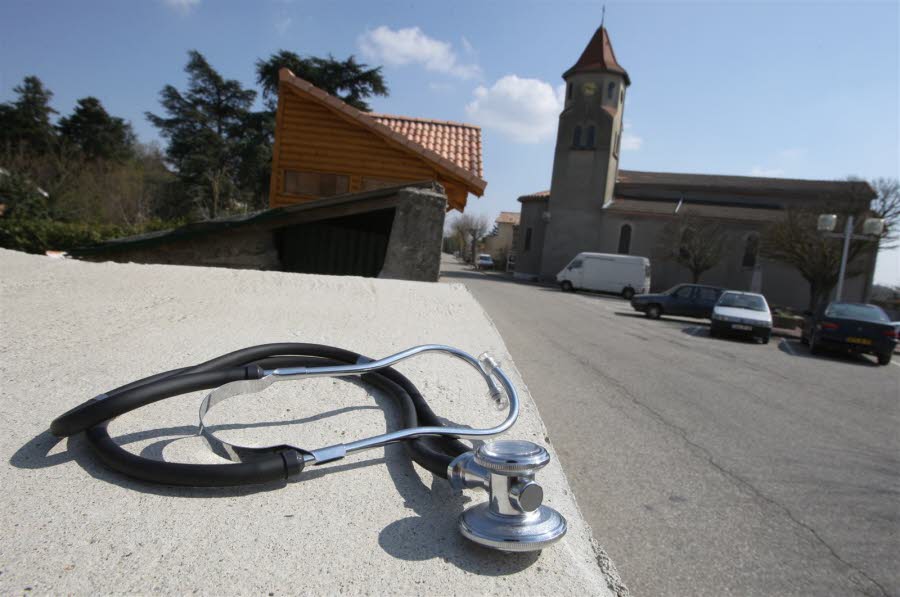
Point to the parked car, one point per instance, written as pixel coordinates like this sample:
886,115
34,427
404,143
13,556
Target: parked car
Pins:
742,313
484,261
603,272
690,300
851,327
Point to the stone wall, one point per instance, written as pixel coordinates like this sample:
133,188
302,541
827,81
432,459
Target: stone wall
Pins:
413,249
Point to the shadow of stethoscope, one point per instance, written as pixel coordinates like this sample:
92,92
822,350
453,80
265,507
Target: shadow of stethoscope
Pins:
430,532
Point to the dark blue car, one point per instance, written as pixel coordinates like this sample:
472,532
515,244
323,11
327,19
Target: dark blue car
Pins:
851,327
687,300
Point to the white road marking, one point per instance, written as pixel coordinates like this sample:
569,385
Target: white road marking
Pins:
788,347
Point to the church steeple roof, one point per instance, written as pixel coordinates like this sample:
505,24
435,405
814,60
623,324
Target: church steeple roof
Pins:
598,57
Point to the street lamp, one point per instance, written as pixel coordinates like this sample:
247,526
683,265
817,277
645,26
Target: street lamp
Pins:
872,228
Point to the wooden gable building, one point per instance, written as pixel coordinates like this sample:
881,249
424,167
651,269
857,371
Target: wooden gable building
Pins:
325,147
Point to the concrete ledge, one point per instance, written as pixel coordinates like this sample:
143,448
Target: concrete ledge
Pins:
372,523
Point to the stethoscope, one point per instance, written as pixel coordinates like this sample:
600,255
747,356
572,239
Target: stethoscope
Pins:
513,519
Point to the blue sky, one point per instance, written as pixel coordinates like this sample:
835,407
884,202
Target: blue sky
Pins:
802,89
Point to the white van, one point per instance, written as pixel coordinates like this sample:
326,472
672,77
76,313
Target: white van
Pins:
621,274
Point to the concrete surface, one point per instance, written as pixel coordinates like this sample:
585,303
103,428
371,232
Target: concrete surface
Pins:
708,466
372,523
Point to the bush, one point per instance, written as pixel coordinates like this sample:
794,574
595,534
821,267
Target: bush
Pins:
42,235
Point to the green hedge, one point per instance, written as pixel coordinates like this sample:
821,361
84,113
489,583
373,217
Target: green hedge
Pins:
39,236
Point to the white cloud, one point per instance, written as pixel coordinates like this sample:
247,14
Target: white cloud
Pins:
183,6
767,172
411,46
631,142
283,24
527,110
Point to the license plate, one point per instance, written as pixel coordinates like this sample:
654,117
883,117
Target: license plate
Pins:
864,341
741,326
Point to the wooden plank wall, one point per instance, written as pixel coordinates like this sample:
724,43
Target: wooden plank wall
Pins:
309,137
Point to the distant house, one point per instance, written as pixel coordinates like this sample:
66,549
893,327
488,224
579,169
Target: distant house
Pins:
325,147
501,243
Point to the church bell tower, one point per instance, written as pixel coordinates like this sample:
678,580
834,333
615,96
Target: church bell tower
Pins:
586,159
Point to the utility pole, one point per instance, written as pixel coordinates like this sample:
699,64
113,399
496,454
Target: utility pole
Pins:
848,233
872,230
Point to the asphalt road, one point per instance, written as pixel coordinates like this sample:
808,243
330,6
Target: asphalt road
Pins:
708,466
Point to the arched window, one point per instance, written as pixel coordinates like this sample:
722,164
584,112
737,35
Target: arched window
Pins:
610,90
624,239
590,137
751,250
576,141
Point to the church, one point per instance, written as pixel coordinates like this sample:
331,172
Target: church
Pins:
592,205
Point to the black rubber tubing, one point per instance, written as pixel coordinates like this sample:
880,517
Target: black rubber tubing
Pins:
432,453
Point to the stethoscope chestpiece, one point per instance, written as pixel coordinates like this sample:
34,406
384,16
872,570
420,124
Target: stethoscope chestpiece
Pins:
514,518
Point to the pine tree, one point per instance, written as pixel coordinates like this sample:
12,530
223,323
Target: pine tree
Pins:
205,126
347,79
95,133
25,123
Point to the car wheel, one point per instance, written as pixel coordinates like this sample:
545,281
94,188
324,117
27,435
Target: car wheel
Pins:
713,331
765,338
567,286
885,357
653,311
628,293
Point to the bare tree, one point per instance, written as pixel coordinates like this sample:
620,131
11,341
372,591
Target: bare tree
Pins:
693,242
887,206
470,228
796,241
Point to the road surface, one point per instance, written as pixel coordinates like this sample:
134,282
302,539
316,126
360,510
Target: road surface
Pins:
707,466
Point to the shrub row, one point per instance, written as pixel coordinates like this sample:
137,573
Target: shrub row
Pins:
41,235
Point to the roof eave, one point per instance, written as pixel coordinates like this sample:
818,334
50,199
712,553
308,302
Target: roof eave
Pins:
474,184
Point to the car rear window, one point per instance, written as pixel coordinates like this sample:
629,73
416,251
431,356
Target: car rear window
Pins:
861,312
743,301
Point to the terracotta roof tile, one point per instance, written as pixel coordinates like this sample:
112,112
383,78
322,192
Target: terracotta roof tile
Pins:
508,217
534,196
456,141
474,181
634,180
598,57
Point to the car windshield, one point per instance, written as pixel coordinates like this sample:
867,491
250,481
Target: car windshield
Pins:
754,302
861,312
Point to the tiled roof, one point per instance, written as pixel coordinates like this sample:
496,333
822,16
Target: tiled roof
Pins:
668,185
475,182
456,141
633,179
598,57
534,196
508,217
